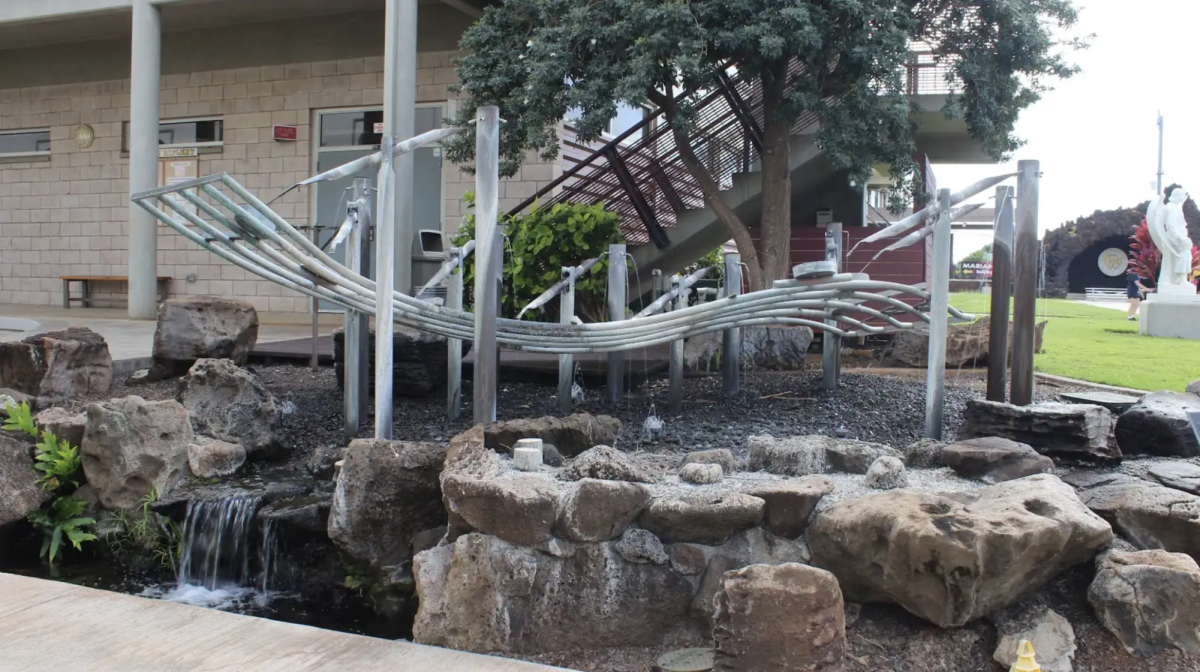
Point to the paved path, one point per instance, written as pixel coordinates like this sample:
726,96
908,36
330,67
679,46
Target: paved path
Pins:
47,626
1122,305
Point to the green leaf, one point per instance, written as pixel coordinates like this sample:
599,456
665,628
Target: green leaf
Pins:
55,542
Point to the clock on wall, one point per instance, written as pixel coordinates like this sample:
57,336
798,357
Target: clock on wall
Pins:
84,135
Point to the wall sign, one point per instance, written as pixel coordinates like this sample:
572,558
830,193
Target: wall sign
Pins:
172,171
177,152
975,269
285,133
1113,262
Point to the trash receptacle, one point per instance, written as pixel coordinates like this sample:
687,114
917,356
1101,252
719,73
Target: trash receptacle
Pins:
429,253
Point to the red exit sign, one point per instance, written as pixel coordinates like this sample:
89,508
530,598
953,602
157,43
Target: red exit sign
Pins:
287,133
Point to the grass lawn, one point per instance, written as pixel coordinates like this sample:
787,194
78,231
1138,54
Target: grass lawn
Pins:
1100,345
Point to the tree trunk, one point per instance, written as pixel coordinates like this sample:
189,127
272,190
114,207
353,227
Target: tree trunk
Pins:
776,224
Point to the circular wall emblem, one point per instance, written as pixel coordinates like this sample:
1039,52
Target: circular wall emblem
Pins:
84,135
1113,261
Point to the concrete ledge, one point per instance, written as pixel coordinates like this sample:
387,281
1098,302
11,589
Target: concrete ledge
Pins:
1168,316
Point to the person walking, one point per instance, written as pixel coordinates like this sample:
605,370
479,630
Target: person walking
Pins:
1135,288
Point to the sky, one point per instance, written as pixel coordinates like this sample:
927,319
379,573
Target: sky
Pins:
1096,134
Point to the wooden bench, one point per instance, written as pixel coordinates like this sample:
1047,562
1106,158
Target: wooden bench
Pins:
85,287
1105,294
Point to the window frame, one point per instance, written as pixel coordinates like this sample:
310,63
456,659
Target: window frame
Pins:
202,147
23,157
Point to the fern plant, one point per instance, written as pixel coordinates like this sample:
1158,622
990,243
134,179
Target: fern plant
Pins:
143,533
63,519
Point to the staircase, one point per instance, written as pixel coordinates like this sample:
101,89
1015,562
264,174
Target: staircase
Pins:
640,175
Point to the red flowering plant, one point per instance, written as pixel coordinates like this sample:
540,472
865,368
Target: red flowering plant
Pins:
1144,257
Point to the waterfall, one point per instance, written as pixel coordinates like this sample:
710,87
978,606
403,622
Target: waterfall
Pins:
222,548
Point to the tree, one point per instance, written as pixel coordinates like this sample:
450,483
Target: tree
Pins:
537,59
982,254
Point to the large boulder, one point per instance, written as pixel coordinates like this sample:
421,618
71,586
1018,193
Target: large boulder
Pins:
570,435
993,459
1158,425
702,517
63,424
748,547
598,510
814,454
607,463
1193,387
418,361
20,493
721,456
966,344
1149,600
773,348
229,403
483,594
1145,513
1179,475
790,503
133,446
782,618
386,492
202,327
886,473
1077,432
57,366
952,560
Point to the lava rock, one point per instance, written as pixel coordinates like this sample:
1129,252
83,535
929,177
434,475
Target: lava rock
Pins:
721,456
604,462
966,344
229,403
133,446
596,510
782,618
571,435
790,503
1068,431
1193,387
1179,475
202,327
924,454
483,594
951,561
813,454
1158,425
747,547
701,474
1149,600
57,366
214,458
702,518
638,545
63,424
550,455
386,492
1051,635
320,463
518,507
1146,513
20,493
993,459
774,348
886,473
418,360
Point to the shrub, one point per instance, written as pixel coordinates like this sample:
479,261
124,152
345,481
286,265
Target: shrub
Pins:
539,244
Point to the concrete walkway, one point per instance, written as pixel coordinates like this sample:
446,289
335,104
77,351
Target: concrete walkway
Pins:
1122,305
47,626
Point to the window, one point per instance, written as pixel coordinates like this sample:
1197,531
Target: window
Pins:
24,144
351,129
184,133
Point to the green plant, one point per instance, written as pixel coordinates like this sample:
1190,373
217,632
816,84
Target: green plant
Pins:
63,518
540,243
58,461
714,259
144,533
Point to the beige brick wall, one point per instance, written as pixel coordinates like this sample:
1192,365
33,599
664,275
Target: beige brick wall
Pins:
69,216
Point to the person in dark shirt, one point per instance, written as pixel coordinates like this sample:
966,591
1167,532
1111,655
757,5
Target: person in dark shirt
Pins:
1135,288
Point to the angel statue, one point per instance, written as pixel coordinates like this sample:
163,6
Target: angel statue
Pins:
1169,231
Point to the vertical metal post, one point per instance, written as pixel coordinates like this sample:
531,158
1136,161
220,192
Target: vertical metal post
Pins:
144,85
1158,188
488,260
454,301
356,325
1025,272
939,308
656,285
831,345
1002,242
617,300
385,263
675,401
316,312
731,339
566,363
399,122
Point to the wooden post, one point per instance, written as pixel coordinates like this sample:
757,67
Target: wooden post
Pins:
1002,242
731,339
385,280
675,401
354,342
488,260
617,300
454,301
1025,273
939,308
566,363
831,345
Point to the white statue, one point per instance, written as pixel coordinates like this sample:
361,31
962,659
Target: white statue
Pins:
1168,229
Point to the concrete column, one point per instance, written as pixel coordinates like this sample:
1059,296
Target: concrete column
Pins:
144,85
399,121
